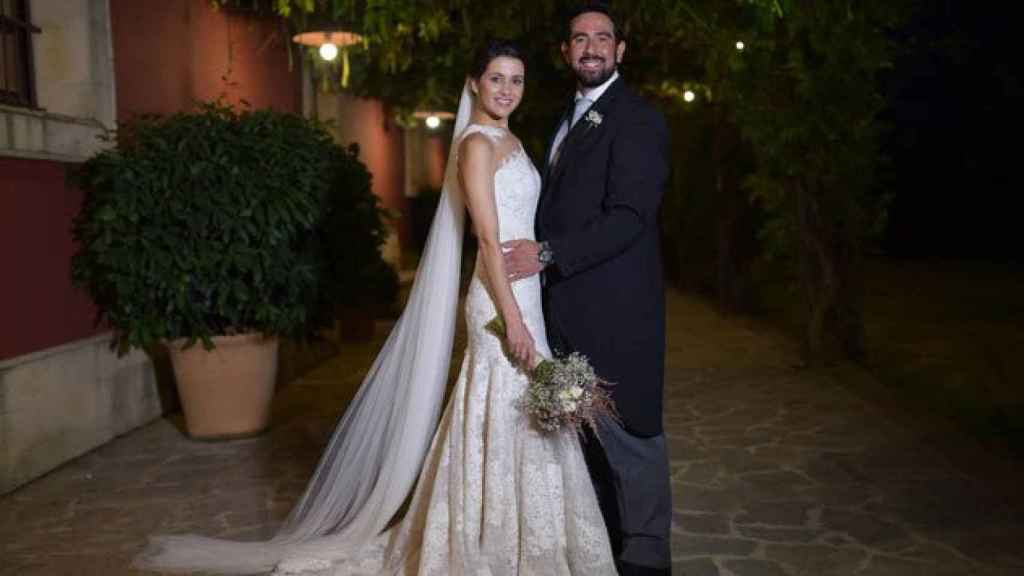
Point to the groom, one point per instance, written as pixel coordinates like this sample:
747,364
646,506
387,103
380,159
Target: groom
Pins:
606,167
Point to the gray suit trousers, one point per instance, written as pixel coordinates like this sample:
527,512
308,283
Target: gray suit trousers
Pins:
631,477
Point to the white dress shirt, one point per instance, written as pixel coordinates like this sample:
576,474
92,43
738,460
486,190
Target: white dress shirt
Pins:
592,94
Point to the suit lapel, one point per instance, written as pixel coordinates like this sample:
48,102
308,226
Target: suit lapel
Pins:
575,141
566,115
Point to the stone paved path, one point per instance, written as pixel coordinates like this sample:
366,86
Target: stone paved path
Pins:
776,472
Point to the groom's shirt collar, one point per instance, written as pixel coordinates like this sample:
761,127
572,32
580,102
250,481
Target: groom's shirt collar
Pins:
594,93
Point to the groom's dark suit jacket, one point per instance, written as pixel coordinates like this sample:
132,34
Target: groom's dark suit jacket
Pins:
604,297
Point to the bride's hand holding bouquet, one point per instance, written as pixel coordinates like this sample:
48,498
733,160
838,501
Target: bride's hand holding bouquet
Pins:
518,341
563,391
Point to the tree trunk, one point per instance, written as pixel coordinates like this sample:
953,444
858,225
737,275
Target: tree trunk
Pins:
829,267
734,226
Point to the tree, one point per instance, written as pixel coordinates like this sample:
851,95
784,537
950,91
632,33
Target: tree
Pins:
801,100
808,100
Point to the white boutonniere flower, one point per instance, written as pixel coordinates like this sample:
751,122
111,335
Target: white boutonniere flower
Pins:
594,117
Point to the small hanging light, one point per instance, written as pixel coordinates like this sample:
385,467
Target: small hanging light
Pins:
319,38
329,43
328,51
433,118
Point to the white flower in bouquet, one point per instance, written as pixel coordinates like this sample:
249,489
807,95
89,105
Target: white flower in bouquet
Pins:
563,391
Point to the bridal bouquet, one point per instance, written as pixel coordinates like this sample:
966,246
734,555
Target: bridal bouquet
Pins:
563,391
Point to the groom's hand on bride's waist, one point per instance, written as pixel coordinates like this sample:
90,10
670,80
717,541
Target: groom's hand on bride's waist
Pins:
521,258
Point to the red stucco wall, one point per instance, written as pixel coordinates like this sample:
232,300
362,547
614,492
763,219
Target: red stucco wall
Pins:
38,307
167,54
171,53
381,147
436,157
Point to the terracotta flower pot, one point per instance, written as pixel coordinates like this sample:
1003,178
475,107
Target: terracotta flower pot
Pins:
226,392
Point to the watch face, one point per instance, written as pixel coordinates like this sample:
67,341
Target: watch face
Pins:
544,255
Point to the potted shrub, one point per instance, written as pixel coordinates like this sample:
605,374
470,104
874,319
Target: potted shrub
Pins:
422,207
200,232
358,284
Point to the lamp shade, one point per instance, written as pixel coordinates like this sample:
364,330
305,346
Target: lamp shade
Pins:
421,114
339,38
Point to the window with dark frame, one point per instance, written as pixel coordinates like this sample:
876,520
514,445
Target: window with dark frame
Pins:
17,84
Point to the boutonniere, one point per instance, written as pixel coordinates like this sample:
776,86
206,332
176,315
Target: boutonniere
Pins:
594,118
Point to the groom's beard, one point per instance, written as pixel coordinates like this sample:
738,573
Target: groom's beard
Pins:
593,79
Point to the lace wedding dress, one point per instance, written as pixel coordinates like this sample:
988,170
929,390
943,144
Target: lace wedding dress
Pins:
491,495
496,496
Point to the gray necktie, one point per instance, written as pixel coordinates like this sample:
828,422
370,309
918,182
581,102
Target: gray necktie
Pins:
581,106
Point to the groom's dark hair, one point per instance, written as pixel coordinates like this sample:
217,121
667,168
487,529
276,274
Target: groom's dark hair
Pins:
592,6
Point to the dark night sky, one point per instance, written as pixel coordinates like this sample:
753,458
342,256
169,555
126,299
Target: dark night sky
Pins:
956,125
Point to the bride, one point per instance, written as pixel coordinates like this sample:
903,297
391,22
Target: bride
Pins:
491,494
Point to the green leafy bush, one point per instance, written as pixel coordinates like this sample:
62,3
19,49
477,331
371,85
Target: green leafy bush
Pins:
351,238
211,222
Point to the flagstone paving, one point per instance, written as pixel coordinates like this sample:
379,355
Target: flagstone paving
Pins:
776,471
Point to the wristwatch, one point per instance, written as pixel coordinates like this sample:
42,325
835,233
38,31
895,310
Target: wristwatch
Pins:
546,256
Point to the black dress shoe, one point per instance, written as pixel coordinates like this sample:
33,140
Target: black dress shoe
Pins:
627,569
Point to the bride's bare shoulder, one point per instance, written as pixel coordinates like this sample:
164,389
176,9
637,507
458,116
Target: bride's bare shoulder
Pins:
477,148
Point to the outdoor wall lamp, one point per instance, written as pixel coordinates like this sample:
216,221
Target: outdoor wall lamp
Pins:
433,118
337,39
329,43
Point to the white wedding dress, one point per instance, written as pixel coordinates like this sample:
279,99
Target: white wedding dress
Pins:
496,496
491,495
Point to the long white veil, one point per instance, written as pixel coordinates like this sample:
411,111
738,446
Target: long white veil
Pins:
375,454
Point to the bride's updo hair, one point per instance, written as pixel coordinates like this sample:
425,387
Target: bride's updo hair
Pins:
490,51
